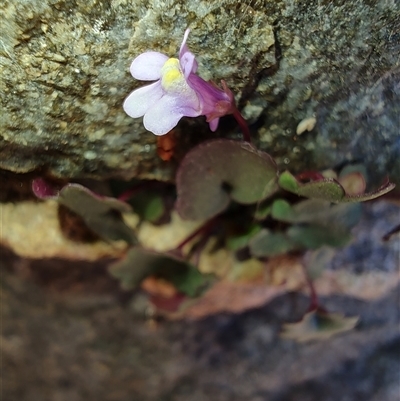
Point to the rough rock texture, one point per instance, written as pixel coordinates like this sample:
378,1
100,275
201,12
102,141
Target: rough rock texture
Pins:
68,333
65,74
92,348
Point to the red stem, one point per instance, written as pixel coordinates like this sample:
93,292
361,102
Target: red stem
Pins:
202,229
314,301
243,125
129,193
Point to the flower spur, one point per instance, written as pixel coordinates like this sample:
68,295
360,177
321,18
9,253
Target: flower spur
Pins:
177,92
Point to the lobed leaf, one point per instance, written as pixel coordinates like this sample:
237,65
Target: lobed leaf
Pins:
268,244
325,189
331,190
318,325
314,236
100,213
221,170
140,263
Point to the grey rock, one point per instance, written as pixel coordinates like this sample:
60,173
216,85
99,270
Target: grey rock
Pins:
65,73
68,333
93,348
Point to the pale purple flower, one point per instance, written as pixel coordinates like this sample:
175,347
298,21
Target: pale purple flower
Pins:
177,92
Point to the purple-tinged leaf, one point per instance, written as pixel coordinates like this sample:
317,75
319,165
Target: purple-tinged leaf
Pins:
383,190
100,213
329,189
221,170
140,263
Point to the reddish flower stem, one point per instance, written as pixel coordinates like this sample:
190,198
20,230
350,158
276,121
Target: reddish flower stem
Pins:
393,231
128,194
204,229
243,125
314,301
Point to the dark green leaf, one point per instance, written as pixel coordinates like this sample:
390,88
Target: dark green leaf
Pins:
268,244
241,240
384,189
100,214
318,260
140,263
330,190
324,189
313,237
148,205
317,211
283,211
263,210
219,170
318,325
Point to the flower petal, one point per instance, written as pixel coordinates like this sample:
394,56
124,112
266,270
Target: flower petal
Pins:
166,113
184,48
147,66
213,124
186,57
140,100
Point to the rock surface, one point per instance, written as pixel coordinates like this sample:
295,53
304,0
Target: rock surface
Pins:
65,73
92,348
68,333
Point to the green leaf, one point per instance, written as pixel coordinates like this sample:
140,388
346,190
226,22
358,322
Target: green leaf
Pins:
263,210
140,263
217,171
239,241
331,190
343,215
324,189
384,189
282,210
288,182
100,214
268,244
318,260
313,236
148,205
318,325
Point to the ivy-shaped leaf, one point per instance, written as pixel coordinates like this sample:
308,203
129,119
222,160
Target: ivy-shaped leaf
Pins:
140,263
101,214
314,236
149,206
317,211
263,210
217,171
384,189
318,325
235,242
324,189
329,189
267,244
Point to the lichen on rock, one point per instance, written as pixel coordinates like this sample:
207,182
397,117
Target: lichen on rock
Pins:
65,73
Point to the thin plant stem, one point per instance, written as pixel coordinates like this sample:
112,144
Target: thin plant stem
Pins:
204,229
129,193
314,301
243,125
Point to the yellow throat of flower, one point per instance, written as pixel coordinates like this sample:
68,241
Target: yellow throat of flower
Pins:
171,75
